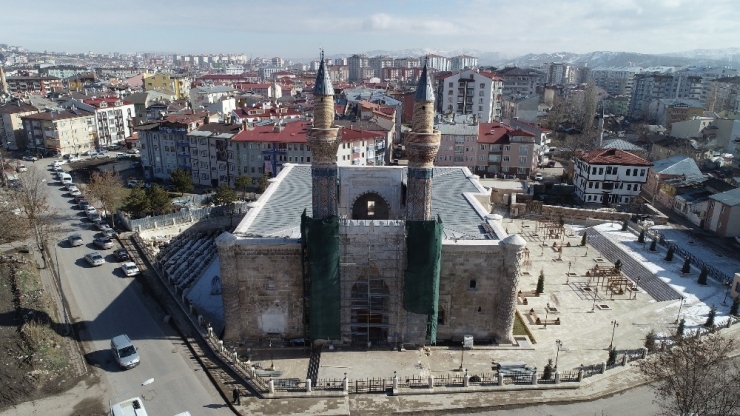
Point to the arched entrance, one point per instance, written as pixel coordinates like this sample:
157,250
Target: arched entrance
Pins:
370,206
369,312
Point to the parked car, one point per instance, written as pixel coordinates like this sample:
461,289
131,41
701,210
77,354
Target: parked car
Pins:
30,158
130,268
538,176
74,159
99,155
114,147
551,164
94,258
132,151
21,168
90,210
103,242
109,232
122,254
133,183
83,204
75,192
100,224
122,156
94,217
75,240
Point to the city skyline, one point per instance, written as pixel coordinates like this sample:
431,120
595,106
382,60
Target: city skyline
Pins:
298,30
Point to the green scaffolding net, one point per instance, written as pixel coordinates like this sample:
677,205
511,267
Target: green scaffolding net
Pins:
320,237
421,282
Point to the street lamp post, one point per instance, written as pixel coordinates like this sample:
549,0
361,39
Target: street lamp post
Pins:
145,383
547,313
462,354
680,305
596,293
637,286
615,324
559,343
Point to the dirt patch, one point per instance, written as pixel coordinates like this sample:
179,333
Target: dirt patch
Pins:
33,360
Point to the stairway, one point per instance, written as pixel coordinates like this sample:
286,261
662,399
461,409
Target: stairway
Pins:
649,282
313,364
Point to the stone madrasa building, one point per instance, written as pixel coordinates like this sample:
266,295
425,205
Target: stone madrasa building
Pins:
380,255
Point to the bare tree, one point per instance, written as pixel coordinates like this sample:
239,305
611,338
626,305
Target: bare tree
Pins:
695,376
588,110
14,224
32,197
107,189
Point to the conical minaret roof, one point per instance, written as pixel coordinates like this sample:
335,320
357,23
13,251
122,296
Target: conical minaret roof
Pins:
323,83
424,91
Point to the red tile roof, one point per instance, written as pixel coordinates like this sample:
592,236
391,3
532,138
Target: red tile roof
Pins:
95,102
494,133
613,157
491,75
295,132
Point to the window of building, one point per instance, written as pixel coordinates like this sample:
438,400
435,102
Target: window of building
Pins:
628,172
522,160
629,186
483,85
450,84
593,171
601,171
590,184
506,158
308,159
523,150
507,148
473,284
642,172
480,93
480,108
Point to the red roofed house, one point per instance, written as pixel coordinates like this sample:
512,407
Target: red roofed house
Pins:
471,92
492,137
609,176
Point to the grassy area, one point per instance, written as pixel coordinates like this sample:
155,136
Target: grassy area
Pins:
521,328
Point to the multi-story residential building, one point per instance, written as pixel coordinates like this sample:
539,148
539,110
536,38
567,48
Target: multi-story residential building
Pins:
665,112
377,63
723,215
724,95
164,144
205,96
211,156
518,156
121,72
618,106
233,69
609,176
438,62
462,62
338,73
615,80
356,64
60,132
457,145
79,81
492,137
178,84
518,82
12,135
471,93
34,85
559,73
62,71
542,136
667,175
408,62
267,73
654,86
114,118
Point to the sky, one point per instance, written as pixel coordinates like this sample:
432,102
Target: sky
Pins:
297,29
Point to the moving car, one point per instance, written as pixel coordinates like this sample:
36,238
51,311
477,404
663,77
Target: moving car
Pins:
551,164
122,156
132,406
124,351
122,254
94,258
30,158
130,269
103,242
75,240
538,176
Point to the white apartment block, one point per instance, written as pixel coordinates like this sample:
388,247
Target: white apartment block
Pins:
114,118
471,93
615,80
462,62
60,132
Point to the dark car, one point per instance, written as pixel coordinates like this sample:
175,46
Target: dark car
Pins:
122,254
551,164
83,204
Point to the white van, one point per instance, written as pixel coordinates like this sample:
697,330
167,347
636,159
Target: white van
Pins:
124,351
65,178
130,407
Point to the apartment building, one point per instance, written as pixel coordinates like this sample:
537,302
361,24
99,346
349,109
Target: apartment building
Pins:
12,135
471,93
60,132
178,84
462,62
62,71
609,176
356,65
665,111
211,155
457,145
559,73
723,215
114,118
34,85
519,82
438,62
377,63
655,86
615,80
724,95
162,143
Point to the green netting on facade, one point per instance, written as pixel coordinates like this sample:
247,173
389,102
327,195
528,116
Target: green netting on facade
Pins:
321,239
421,281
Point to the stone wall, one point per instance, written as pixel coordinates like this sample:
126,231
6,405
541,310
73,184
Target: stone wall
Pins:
262,286
356,181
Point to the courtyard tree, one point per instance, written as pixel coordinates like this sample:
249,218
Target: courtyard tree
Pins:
669,254
686,266
242,183
710,317
583,239
137,202
612,359
107,189
654,245
264,182
159,200
641,237
548,372
541,282
735,307
625,224
694,376
618,265
703,276
32,201
224,195
181,181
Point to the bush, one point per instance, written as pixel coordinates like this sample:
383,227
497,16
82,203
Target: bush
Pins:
686,266
735,306
703,276
669,254
583,239
650,340
625,224
681,328
612,357
541,282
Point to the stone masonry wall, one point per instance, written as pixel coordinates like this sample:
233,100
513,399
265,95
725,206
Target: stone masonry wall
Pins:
262,288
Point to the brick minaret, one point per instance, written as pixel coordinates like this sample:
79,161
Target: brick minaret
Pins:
323,140
422,144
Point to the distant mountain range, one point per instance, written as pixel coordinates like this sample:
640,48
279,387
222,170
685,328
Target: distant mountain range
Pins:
699,57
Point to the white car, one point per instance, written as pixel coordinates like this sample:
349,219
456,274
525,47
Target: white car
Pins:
75,240
538,176
130,268
90,210
95,259
75,192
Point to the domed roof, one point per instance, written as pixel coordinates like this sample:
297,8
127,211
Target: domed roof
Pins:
514,240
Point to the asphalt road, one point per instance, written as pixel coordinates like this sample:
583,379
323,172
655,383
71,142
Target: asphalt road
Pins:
105,303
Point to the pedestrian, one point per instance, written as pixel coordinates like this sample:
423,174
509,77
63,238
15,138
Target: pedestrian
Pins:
235,395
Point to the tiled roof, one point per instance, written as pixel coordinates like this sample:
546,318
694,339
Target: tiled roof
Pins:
352,135
491,75
613,157
493,133
678,165
95,102
59,115
622,145
16,107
